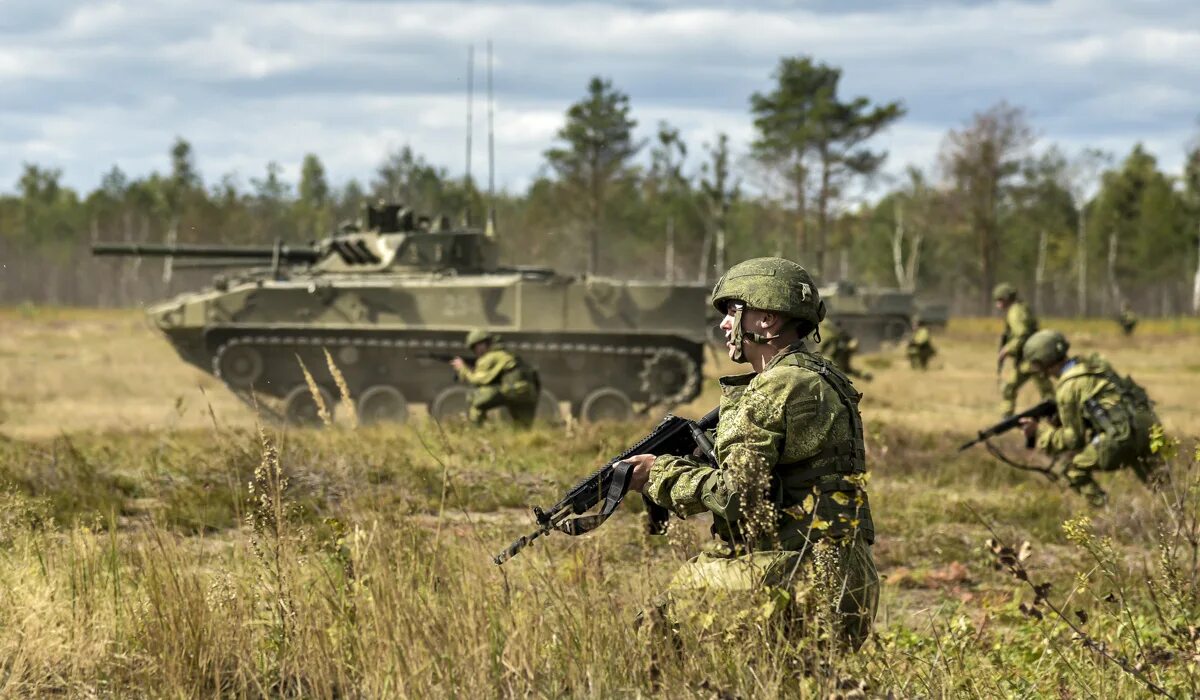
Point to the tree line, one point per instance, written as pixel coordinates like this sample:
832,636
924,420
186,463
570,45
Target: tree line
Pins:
1079,233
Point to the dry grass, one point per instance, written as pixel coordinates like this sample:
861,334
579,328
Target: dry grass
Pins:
135,560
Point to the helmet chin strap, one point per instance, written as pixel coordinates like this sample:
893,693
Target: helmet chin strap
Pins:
740,336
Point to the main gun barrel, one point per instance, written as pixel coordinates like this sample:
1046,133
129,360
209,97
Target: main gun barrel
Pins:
266,254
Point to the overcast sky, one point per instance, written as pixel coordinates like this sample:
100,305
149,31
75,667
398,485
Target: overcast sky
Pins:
86,85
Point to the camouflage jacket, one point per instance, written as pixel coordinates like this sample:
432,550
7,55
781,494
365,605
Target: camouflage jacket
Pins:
920,339
1019,324
799,419
1093,400
500,367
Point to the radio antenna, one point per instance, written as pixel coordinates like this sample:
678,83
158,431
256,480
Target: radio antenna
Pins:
470,105
491,214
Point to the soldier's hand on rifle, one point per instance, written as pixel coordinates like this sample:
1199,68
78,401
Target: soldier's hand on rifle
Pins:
458,363
1029,427
641,471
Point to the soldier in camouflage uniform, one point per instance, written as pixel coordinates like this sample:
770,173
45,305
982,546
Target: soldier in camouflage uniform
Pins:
500,379
1127,319
839,346
1019,324
787,497
1104,419
920,345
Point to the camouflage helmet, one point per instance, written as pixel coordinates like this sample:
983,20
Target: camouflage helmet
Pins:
1004,292
771,284
1045,348
479,335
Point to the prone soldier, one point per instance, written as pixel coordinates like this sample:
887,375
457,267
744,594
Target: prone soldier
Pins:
1104,419
500,378
795,419
1019,324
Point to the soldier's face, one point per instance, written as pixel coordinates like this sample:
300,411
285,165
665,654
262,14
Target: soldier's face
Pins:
727,324
480,348
753,321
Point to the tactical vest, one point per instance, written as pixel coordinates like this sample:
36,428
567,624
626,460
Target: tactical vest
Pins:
1120,421
519,380
827,471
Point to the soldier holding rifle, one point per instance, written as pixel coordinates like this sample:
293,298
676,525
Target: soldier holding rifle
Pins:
795,418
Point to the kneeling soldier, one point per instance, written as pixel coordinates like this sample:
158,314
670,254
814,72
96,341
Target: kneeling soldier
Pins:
920,345
787,496
500,379
1104,419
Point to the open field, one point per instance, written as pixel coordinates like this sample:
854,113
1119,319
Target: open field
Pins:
153,543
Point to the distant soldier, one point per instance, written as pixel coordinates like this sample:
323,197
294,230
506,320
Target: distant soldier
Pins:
1127,319
839,346
1104,419
500,378
920,345
1019,324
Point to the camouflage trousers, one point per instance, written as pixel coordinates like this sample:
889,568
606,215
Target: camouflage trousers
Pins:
1012,386
1105,454
831,590
919,356
523,409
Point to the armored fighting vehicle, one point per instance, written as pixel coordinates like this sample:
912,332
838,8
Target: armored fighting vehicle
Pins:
391,298
876,315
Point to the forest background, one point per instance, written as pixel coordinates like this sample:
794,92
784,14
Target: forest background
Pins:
1082,233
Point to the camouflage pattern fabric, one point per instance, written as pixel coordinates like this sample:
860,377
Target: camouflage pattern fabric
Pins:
789,485
839,347
920,348
502,379
1128,321
1104,422
1014,379
1019,324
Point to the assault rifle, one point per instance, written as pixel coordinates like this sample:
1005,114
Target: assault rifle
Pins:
610,483
446,357
1045,409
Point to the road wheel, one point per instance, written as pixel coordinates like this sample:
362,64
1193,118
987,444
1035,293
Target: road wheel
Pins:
451,404
606,404
382,403
241,366
299,407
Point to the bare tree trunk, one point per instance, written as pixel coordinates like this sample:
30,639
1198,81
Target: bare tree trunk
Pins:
168,262
914,260
1039,273
1081,265
670,250
1114,289
898,247
801,219
705,249
1196,279
720,248
822,216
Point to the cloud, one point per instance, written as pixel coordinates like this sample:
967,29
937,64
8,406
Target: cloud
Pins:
90,84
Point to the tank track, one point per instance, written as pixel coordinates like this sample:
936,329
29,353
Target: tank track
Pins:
689,388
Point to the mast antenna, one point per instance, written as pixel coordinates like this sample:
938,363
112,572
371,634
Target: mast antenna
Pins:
470,104
491,214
